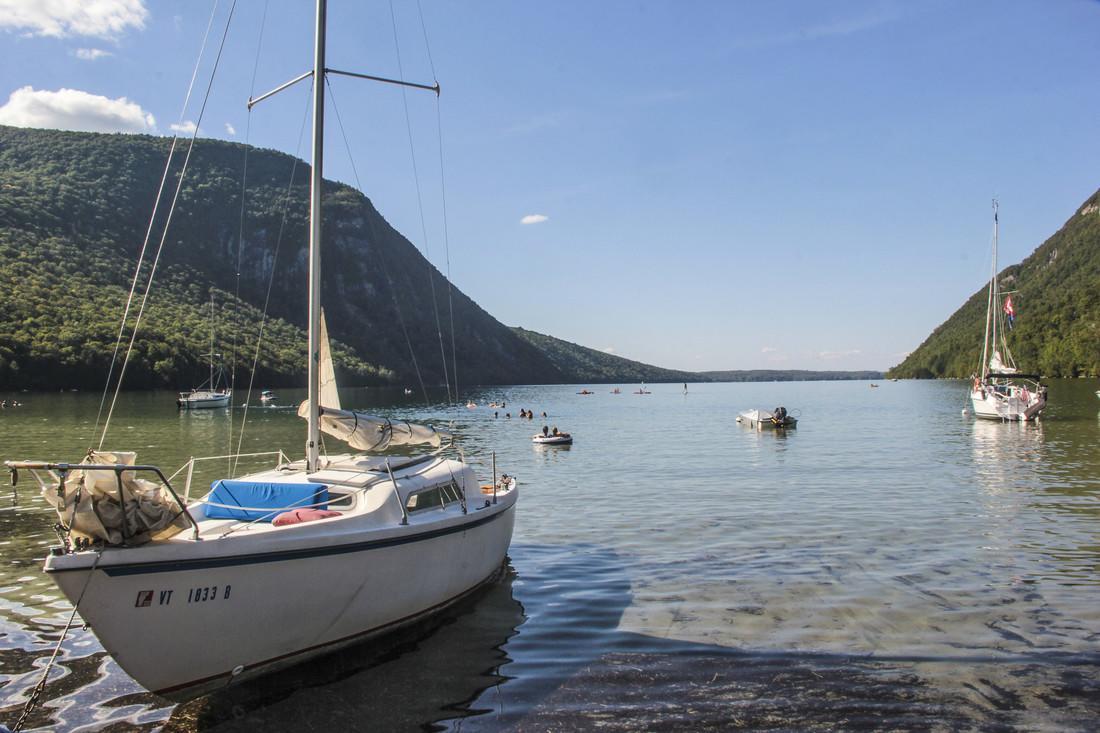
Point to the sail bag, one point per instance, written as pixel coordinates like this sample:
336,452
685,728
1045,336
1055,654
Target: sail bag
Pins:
96,509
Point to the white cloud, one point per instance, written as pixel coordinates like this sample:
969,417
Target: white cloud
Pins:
608,350
187,128
534,219
768,350
72,109
91,54
230,129
65,18
831,355
874,18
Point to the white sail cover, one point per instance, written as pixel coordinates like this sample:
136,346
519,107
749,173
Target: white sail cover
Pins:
996,364
371,433
359,429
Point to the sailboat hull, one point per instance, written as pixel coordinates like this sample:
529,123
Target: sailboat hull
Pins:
203,400
198,620
1011,407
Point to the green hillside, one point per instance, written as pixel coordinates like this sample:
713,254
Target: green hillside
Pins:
1057,329
74,210
585,365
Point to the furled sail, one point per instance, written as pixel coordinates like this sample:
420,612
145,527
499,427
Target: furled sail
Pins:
997,364
330,395
371,433
359,429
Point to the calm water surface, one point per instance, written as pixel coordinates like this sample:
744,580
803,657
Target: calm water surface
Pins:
889,564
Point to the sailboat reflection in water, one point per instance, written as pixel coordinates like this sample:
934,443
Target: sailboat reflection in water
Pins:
275,567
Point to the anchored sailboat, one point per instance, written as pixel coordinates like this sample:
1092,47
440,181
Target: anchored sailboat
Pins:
274,567
1000,391
208,394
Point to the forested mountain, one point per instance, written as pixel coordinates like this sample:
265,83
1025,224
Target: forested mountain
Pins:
586,365
1057,303
74,211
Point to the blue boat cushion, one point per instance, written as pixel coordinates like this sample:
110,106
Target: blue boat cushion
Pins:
262,500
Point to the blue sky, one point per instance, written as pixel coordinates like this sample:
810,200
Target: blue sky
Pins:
712,185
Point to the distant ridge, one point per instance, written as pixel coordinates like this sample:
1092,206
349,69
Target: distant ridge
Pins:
787,375
584,365
1057,300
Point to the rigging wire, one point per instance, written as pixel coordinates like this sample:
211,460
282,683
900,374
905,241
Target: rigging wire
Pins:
240,236
377,247
152,219
271,275
167,224
443,196
420,202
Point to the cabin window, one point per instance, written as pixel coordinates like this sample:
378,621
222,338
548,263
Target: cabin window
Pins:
339,499
436,496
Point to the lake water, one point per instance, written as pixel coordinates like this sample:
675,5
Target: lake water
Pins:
891,563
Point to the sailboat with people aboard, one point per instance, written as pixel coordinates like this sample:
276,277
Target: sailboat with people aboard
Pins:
1000,391
274,567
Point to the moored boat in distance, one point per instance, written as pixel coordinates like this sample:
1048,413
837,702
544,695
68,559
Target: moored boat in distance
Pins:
1000,391
777,419
267,396
209,394
280,565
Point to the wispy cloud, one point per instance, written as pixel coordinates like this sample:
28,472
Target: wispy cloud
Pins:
534,219
91,54
72,109
880,15
833,355
768,350
187,127
229,129
608,349
658,96
65,18
537,123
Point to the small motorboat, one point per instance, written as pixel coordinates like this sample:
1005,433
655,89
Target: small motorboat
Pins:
267,396
616,391
552,439
777,419
471,405
585,391
873,385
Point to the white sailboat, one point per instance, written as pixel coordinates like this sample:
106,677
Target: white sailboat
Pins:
271,568
209,394
1000,391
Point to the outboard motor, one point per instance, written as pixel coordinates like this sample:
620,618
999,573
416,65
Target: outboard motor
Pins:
779,417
